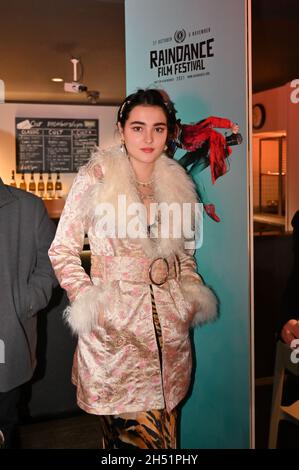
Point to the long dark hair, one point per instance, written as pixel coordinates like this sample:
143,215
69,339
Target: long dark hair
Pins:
151,97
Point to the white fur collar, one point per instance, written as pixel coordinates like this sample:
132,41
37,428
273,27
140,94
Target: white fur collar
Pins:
171,185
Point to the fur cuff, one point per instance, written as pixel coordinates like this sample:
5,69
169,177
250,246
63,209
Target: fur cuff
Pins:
84,313
202,302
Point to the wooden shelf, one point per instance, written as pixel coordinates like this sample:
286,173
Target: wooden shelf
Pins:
271,219
273,173
54,207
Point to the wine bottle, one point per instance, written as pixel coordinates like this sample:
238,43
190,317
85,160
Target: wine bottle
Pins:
58,186
23,184
32,185
41,186
13,181
50,186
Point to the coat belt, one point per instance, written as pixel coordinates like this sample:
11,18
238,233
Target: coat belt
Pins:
155,271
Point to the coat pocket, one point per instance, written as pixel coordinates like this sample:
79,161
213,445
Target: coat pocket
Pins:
182,306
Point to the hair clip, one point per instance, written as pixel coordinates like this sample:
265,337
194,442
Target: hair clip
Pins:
169,106
122,108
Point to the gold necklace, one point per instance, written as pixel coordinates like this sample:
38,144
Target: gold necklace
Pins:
146,183
145,192
143,197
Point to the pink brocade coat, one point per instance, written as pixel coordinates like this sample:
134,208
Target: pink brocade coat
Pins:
116,365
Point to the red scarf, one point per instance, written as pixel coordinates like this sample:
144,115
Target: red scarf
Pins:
192,136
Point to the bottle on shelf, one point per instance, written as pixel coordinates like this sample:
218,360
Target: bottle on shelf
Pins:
50,186
58,186
32,185
23,184
41,186
13,180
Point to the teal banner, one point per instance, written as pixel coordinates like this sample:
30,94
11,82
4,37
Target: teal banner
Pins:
196,51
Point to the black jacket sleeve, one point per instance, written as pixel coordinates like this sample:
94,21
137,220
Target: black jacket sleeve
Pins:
42,279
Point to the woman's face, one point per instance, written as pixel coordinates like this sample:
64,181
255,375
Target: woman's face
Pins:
145,133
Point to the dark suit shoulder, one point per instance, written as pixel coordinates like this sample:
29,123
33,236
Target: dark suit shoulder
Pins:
25,196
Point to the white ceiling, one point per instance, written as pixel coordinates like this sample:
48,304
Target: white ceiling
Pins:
39,37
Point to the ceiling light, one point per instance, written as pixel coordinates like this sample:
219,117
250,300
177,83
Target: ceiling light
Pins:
57,79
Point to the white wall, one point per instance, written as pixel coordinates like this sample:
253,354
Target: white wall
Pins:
275,103
8,112
282,115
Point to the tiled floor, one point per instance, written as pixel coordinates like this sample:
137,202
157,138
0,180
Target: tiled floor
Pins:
76,432
83,432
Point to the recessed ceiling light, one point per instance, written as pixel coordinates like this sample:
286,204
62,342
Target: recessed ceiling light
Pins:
57,79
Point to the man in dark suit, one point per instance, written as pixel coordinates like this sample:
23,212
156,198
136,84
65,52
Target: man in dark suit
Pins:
289,323
26,282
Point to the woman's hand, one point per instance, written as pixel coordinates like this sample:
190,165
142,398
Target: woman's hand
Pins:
234,128
290,331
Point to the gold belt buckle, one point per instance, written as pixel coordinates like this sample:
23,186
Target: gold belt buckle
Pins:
150,271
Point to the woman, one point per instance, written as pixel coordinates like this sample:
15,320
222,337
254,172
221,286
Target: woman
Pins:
132,315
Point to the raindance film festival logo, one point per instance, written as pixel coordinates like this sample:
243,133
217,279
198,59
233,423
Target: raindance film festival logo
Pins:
185,55
2,352
180,35
2,91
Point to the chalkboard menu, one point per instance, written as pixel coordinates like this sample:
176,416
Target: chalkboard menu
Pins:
49,144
